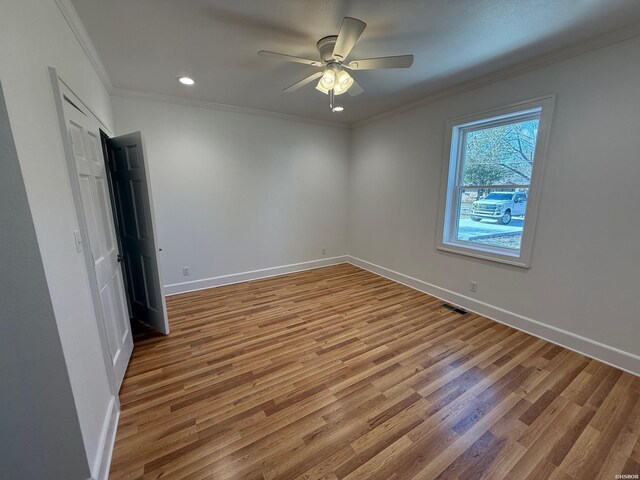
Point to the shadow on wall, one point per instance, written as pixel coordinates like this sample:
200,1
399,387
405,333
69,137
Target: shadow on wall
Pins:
38,419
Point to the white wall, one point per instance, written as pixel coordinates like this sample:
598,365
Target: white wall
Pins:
38,418
235,192
33,36
584,275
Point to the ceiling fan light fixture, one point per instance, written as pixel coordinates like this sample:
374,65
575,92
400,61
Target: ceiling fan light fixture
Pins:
320,87
328,79
343,84
344,79
339,89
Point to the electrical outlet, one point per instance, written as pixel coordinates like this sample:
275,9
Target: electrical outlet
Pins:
185,271
473,286
324,250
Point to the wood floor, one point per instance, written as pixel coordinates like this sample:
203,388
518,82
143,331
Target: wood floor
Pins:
338,373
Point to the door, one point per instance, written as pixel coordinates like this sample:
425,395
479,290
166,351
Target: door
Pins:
519,204
136,228
99,234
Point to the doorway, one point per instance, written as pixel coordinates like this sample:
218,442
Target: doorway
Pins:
132,207
113,252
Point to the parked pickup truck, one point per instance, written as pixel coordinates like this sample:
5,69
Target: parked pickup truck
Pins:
500,206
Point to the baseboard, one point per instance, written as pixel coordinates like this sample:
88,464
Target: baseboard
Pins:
102,463
617,358
184,287
614,357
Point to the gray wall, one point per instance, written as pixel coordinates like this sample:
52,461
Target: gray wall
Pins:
39,429
584,267
236,192
34,34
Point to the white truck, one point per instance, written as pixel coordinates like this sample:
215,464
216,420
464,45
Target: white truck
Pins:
500,206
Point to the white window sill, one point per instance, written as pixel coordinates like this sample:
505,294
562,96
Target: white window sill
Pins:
485,253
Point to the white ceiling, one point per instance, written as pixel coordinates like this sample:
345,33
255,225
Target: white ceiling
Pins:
146,44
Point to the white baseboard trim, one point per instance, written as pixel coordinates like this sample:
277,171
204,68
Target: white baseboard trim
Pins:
614,357
184,287
102,463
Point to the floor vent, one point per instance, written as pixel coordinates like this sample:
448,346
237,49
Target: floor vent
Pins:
453,308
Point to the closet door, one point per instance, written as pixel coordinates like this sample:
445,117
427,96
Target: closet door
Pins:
101,243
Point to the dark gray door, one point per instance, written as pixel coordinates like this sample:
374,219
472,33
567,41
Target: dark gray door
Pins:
136,228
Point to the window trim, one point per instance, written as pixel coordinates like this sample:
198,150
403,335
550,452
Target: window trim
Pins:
451,172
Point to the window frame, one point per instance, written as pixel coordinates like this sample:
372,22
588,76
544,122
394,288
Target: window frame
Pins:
451,183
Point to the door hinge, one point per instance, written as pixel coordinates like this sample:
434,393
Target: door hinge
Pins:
78,239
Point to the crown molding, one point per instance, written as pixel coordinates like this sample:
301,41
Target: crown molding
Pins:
541,61
75,23
192,102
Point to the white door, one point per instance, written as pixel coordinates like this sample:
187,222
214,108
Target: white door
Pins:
90,171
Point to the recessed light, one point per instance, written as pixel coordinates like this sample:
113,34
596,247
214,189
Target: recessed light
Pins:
186,81
337,109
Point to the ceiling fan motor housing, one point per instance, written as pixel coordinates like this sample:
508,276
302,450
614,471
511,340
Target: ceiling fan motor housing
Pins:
325,47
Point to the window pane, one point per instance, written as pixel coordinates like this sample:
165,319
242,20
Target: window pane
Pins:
492,216
500,155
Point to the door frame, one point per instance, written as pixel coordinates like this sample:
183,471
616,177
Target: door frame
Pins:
60,90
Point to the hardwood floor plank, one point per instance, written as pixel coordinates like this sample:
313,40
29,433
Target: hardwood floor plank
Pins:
338,373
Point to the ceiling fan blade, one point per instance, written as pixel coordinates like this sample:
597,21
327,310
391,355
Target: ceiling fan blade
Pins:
349,34
289,58
355,89
303,82
400,61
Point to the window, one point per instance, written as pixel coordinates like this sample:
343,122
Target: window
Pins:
492,183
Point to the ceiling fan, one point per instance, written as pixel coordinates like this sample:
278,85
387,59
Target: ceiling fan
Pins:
334,50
